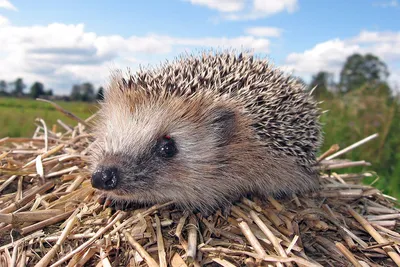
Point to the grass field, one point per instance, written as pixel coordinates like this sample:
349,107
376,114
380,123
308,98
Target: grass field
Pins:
18,115
348,121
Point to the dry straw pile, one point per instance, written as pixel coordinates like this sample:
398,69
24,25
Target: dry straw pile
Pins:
50,216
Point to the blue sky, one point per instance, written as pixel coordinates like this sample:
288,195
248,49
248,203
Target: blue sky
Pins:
66,42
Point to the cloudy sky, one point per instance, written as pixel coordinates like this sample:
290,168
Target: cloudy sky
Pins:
64,42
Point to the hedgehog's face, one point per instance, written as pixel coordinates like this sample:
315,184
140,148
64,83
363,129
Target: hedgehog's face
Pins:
161,150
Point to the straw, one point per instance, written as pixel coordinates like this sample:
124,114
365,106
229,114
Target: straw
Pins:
50,216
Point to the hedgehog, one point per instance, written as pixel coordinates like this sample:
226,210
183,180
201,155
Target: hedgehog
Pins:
203,131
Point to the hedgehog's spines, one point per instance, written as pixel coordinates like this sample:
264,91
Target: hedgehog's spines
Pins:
286,116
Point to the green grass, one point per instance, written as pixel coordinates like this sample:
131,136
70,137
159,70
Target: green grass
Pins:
358,115
18,115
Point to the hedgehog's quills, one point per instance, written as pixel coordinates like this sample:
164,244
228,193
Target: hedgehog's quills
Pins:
204,131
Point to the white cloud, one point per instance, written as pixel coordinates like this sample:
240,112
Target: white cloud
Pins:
331,55
264,31
60,55
241,42
247,9
327,56
7,5
384,4
376,37
3,21
275,6
221,5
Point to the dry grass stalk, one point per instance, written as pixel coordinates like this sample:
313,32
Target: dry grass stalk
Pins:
334,148
49,256
346,165
160,242
371,230
44,223
65,112
268,233
348,254
104,261
192,239
27,198
252,239
177,261
46,134
8,182
351,147
320,229
29,216
149,260
223,262
100,232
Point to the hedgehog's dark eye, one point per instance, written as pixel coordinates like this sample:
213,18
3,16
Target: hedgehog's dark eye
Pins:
167,147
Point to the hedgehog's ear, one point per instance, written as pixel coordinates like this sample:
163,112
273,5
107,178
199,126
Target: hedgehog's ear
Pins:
223,123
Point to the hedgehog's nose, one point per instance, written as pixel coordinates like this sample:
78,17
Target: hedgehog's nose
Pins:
105,178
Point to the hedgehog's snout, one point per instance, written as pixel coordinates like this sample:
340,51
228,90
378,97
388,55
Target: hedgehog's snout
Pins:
105,178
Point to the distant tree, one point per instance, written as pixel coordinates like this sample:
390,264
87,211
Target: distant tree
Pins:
359,70
100,94
84,92
76,93
49,92
37,89
3,87
19,87
87,92
383,89
321,81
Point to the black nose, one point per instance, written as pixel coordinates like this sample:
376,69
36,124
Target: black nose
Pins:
105,178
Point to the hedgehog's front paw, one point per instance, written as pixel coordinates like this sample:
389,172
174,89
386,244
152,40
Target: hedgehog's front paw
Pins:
226,210
203,212
122,205
223,211
103,200
129,206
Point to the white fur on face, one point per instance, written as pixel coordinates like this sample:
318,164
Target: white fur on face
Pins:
131,130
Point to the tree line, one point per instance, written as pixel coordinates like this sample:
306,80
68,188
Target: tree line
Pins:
359,103
85,92
358,70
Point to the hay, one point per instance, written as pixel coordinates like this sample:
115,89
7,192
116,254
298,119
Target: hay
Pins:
50,216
